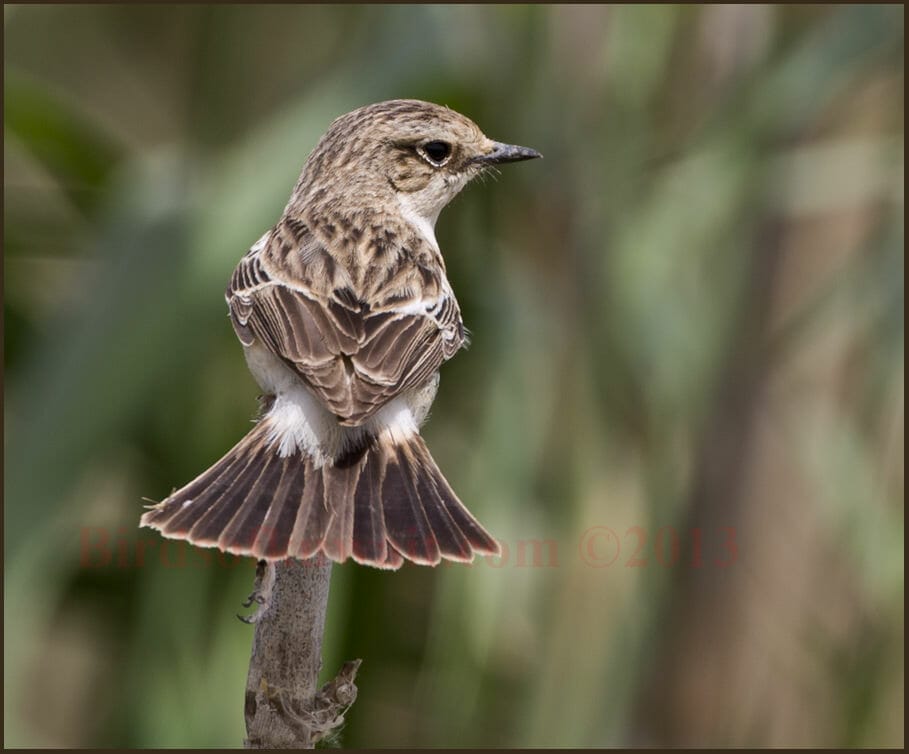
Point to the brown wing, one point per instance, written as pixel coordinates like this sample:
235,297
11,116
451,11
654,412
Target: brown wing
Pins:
355,358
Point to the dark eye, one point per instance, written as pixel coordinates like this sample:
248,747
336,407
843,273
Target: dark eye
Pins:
436,151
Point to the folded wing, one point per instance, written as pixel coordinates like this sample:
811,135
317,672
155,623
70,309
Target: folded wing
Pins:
353,354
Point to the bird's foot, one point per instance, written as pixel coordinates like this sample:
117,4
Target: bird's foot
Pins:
261,593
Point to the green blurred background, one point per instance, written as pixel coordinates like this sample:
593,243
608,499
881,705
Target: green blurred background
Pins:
688,322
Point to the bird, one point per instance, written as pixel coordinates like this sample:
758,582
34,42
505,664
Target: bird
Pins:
345,315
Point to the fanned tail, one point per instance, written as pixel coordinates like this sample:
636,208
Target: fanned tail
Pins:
381,504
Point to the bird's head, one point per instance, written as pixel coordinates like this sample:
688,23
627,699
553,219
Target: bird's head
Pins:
417,153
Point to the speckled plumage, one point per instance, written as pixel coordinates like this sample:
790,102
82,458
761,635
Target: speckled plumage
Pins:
345,314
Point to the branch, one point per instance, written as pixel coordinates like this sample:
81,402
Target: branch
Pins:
283,708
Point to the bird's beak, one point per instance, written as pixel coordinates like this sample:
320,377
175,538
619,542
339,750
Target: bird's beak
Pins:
507,153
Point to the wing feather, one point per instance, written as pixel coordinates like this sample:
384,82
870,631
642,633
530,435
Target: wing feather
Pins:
353,355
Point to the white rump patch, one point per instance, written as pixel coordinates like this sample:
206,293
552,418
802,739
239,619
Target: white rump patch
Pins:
395,421
296,422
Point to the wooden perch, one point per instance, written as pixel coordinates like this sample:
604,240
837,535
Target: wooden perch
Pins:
283,708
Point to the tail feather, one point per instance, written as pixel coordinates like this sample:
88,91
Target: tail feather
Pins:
385,503
451,540
274,537
370,542
177,515
406,523
218,504
479,539
341,482
393,561
313,517
256,492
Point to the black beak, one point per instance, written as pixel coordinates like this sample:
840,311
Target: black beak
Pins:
507,153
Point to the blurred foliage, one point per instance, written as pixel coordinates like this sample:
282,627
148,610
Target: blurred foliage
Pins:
688,317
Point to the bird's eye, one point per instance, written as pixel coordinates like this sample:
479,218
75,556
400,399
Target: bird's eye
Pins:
436,151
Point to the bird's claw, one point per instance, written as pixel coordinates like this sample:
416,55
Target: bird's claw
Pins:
262,586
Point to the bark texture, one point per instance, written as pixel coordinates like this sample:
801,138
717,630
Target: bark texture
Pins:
284,709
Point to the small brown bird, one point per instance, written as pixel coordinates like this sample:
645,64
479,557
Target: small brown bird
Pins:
345,315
